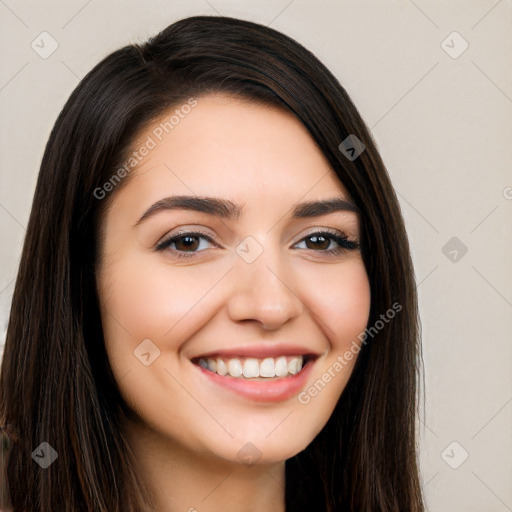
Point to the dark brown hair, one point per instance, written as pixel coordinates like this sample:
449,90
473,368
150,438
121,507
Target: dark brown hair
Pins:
56,384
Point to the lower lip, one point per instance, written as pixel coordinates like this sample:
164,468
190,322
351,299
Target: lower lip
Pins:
261,391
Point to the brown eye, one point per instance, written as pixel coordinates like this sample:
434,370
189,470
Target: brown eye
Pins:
187,243
317,242
322,241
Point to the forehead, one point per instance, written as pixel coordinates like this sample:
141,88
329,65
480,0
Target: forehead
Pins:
227,147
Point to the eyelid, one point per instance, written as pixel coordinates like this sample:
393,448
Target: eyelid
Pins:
184,232
313,230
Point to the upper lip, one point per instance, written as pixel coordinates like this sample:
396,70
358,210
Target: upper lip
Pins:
258,351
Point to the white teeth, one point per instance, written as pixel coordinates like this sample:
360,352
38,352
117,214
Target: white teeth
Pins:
281,368
251,367
235,367
222,368
267,367
295,365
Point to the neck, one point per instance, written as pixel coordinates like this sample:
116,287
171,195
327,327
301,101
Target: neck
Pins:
183,481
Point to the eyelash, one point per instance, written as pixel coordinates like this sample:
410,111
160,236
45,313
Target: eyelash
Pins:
343,242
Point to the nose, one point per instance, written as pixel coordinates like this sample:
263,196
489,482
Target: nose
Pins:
263,294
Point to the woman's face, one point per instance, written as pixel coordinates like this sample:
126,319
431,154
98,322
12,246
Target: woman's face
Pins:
215,259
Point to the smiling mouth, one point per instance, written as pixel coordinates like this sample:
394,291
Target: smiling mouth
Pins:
256,369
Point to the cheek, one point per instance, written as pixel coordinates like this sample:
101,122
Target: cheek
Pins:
142,298
146,298
340,304
340,301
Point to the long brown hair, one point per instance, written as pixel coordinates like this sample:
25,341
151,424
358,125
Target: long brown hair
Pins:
56,384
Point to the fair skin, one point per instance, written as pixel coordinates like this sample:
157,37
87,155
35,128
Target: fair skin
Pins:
200,444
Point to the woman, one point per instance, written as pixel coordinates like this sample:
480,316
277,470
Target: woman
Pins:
215,307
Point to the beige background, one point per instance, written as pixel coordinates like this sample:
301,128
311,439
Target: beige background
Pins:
444,128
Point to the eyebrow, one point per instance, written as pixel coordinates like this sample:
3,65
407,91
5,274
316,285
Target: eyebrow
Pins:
226,209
